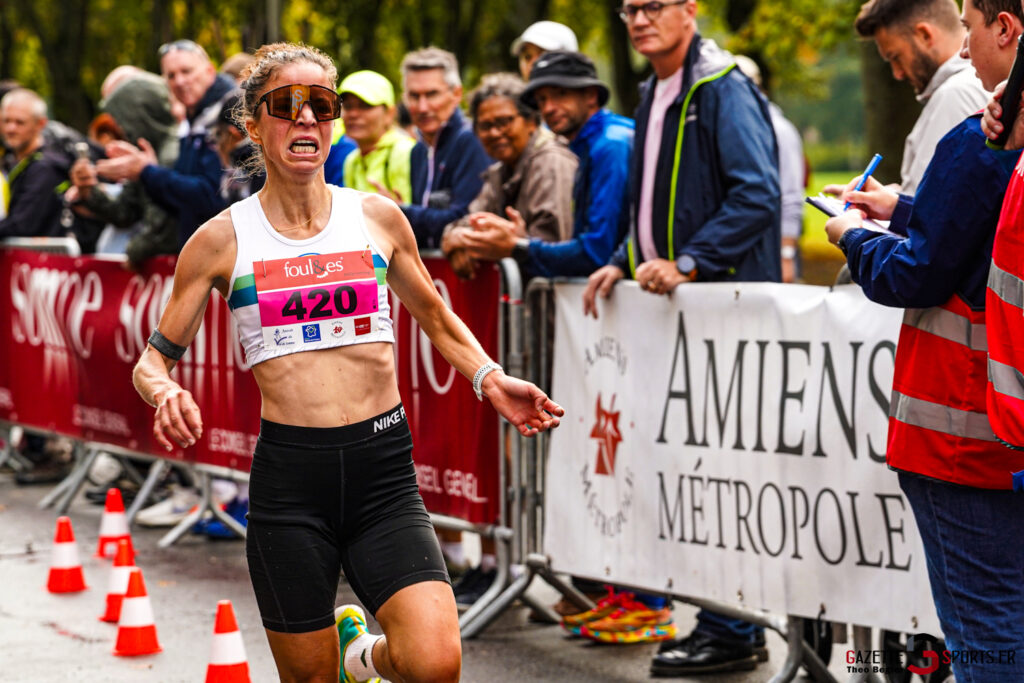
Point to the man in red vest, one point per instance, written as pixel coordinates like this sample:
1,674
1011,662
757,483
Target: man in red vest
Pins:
956,475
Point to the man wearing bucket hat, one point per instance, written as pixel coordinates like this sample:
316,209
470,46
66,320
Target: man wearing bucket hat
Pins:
381,161
565,89
538,38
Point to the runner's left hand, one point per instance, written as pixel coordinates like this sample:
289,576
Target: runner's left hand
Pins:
522,403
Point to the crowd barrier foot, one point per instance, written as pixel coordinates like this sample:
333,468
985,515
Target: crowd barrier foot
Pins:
63,493
9,455
205,505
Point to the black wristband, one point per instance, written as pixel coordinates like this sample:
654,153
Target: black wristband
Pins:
166,346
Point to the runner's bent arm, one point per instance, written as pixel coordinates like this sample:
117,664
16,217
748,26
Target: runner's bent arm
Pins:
521,403
200,268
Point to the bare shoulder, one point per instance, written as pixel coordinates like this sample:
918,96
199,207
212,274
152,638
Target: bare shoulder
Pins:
387,223
210,252
380,209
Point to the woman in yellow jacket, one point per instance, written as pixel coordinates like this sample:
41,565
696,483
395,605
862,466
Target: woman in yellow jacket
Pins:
381,162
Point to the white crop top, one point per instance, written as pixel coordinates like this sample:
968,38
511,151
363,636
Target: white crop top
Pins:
304,295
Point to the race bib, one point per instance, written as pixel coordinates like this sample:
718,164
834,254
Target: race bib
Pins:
316,298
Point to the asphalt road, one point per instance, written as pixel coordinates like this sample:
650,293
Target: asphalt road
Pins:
46,637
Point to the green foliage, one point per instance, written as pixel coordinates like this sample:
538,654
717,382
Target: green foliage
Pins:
791,38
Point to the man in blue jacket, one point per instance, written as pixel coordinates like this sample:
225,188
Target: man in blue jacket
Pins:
704,140
565,89
719,218
448,160
191,189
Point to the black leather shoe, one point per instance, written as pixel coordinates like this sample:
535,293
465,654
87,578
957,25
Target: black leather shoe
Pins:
699,654
473,584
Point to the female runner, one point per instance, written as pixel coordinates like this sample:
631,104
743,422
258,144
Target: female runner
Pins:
305,267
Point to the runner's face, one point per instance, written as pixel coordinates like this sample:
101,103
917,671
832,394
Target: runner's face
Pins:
502,130
364,123
564,110
300,146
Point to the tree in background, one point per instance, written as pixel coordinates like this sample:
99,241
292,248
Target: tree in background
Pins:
75,43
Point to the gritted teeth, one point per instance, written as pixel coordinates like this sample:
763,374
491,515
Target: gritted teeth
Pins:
304,146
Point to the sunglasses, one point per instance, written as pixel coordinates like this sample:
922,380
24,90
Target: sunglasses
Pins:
286,102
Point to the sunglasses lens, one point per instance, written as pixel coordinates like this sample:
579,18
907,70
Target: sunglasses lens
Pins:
279,103
287,102
325,103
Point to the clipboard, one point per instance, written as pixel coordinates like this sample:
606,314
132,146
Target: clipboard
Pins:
831,207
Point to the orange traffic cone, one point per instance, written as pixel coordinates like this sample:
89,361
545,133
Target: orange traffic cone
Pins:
136,632
227,656
113,523
117,586
65,568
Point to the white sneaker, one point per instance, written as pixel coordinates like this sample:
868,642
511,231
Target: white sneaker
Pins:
171,510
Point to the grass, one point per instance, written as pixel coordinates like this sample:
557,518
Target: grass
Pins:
821,259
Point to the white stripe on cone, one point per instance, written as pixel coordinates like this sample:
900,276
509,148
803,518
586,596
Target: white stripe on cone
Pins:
113,524
227,649
65,556
136,612
118,583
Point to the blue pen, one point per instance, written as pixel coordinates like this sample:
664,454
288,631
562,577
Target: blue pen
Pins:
872,165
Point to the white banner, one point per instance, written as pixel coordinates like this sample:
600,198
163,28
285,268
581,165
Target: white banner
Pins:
728,442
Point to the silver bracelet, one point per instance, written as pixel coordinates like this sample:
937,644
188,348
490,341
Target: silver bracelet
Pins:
478,379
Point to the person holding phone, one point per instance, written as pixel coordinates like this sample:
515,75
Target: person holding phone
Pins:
306,267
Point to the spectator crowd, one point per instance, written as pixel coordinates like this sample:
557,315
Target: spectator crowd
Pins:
703,183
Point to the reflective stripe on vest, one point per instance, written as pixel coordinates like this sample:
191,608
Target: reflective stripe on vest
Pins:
939,418
948,325
1006,379
1008,287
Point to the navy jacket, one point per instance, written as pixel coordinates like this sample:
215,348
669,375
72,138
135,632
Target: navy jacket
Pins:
191,189
727,202
604,146
949,225
459,163
36,184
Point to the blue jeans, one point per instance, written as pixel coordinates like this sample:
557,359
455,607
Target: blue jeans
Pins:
725,628
974,548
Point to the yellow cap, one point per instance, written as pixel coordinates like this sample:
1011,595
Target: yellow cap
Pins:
370,87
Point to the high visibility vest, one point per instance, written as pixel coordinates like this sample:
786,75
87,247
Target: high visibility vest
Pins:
938,424
1004,300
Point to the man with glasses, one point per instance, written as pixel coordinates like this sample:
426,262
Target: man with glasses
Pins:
191,189
715,217
448,160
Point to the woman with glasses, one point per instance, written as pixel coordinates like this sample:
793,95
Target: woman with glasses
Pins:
527,192
305,268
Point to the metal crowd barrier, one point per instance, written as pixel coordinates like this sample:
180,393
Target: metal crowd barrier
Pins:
525,351
526,497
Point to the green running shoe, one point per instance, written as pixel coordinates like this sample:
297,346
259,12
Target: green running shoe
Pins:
351,622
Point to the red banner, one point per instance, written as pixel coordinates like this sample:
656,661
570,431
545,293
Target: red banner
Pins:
74,327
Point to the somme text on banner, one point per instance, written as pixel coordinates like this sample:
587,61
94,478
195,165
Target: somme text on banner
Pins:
728,442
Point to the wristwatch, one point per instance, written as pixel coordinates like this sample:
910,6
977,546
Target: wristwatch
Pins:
521,249
687,265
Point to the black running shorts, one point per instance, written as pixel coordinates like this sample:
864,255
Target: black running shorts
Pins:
323,499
